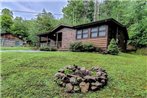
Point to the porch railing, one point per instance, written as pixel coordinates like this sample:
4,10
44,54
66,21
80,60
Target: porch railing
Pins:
52,44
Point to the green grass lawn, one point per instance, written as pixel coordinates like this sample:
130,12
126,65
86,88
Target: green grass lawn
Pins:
31,75
16,48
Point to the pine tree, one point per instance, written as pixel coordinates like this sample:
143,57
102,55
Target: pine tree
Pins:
113,48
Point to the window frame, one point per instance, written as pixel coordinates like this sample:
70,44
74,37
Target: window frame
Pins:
102,30
79,34
95,32
85,33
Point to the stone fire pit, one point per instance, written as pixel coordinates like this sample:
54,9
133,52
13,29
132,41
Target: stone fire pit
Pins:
79,79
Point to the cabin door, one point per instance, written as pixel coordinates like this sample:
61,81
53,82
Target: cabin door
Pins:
59,40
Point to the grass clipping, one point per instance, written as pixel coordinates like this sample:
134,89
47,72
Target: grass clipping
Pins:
79,79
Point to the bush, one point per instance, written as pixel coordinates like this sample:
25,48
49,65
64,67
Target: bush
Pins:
142,51
89,48
44,49
76,46
80,47
113,48
48,49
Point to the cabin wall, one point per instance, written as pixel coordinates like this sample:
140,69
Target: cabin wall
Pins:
97,42
68,37
9,40
100,42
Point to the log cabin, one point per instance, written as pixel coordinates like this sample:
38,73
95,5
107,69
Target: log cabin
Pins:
98,33
10,40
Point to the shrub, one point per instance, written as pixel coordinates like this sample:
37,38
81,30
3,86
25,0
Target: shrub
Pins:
76,46
142,51
80,47
113,48
53,49
89,48
48,49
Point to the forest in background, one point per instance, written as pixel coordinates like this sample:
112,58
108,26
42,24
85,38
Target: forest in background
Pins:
132,14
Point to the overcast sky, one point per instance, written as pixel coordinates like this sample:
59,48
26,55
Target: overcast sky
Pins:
30,8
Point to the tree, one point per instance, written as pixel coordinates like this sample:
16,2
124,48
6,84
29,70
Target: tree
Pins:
113,48
32,31
79,11
6,20
45,21
90,10
6,11
138,29
19,27
132,14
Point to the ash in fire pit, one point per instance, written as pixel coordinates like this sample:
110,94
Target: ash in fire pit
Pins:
79,79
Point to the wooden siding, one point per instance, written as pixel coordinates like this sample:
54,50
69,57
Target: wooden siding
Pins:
100,42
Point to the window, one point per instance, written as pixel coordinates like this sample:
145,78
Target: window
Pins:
82,34
85,33
102,31
79,34
94,32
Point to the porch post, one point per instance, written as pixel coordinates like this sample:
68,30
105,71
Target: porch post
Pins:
47,40
57,40
39,41
117,35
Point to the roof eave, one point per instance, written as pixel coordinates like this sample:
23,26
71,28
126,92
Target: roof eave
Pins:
58,27
99,22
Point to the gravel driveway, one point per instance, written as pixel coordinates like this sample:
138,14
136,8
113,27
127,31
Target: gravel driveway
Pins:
20,51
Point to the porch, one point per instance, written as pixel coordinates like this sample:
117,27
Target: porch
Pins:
51,40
